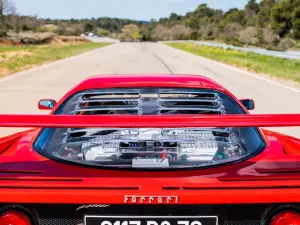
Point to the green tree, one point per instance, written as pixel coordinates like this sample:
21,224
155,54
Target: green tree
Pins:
145,32
175,17
263,18
235,16
8,16
192,21
285,18
102,32
1,17
296,22
88,27
203,11
251,10
130,32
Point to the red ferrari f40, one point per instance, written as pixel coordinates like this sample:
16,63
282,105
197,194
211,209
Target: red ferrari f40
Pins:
149,150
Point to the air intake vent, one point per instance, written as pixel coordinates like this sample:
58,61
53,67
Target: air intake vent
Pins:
149,102
190,103
124,102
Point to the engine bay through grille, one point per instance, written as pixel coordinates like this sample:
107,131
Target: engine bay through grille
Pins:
152,147
149,148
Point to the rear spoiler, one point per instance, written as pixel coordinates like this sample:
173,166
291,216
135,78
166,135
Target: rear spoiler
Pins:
149,121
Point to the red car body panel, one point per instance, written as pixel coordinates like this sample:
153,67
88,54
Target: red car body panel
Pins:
270,177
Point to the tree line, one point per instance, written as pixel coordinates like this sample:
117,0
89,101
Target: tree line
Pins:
273,24
267,23
11,20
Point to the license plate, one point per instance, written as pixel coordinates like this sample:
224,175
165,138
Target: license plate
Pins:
151,220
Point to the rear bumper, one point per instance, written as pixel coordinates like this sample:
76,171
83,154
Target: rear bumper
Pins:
233,214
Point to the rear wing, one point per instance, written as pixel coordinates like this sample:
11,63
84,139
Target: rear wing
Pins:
149,121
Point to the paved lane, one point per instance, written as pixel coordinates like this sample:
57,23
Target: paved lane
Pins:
20,93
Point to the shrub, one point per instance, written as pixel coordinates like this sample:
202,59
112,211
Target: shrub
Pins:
207,31
179,32
48,28
25,28
161,33
234,43
103,32
286,43
29,38
249,36
3,34
231,31
269,37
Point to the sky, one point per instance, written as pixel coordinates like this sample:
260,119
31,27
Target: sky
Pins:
131,9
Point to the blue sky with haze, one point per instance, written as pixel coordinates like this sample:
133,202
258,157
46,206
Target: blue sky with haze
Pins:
133,9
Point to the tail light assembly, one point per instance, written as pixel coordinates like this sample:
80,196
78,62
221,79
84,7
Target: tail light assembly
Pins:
14,218
286,218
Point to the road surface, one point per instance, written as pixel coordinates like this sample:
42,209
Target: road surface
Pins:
20,93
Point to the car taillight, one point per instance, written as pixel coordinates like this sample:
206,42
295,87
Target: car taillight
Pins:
286,218
14,218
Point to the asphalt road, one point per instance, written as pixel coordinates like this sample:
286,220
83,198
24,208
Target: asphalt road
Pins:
20,92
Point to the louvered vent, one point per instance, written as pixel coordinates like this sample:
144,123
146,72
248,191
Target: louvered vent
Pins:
149,102
190,103
125,102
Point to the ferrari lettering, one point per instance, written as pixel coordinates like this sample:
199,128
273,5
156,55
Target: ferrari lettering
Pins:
151,200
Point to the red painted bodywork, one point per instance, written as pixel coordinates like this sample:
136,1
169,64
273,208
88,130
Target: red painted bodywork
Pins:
272,176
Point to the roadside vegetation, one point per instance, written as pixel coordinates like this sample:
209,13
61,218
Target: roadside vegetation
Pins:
27,41
17,58
271,24
277,67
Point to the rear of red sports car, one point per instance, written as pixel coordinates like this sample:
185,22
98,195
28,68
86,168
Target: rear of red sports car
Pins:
137,154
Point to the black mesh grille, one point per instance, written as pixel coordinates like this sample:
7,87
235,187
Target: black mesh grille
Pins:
247,214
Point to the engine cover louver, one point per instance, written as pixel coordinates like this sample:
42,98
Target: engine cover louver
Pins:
149,102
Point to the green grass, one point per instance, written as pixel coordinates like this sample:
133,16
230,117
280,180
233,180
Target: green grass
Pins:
17,58
273,66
